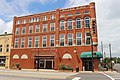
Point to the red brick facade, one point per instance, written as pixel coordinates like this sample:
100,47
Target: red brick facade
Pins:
56,52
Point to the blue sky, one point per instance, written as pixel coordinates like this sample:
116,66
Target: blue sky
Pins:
107,12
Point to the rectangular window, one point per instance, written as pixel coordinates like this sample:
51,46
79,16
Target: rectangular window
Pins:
36,41
44,28
37,28
23,21
52,26
18,22
30,29
70,39
22,42
30,42
69,24
44,41
87,37
44,18
0,48
38,19
31,20
7,48
17,31
78,39
23,30
16,42
52,17
52,39
61,39
62,25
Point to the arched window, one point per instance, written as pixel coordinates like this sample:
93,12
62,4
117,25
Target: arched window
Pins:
86,12
77,13
69,24
69,14
87,22
78,23
24,56
67,56
15,56
62,25
62,15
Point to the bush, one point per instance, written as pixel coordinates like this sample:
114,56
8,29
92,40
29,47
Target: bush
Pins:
65,67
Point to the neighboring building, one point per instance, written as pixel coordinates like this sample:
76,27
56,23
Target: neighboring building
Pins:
46,40
5,45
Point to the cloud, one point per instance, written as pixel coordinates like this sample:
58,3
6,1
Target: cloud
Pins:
5,26
108,20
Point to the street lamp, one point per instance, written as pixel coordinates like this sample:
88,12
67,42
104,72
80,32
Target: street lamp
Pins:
110,56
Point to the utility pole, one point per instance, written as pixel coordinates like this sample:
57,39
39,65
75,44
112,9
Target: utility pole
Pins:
110,56
102,50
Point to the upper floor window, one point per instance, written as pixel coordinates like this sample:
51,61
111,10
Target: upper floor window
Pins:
52,39
16,43
62,15
78,23
44,41
29,42
77,13
52,17
87,38
36,41
0,48
70,14
7,48
52,26
44,18
38,19
62,25
44,28
18,22
31,20
69,24
17,31
70,39
61,39
30,29
23,21
37,28
87,22
23,30
22,42
86,12
78,39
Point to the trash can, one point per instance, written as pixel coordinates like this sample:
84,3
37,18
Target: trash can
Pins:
77,69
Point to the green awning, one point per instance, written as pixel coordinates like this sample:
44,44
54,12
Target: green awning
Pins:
89,55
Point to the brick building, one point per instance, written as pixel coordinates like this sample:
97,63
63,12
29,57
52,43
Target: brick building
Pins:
48,39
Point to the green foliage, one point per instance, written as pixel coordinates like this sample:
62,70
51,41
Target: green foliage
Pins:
65,67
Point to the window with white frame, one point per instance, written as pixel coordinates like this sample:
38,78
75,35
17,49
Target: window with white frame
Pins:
18,22
17,31
70,14
7,48
62,25
87,22
87,38
61,40
29,42
16,42
78,38
87,12
44,41
77,13
70,39
23,21
22,42
44,28
52,17
52,40
23,30
62,15
52,26
36,41
30,29
78,23
0,48
69,24
31,20
38,19
44,18
37,28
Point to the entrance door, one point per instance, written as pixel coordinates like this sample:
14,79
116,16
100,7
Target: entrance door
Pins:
48,64
41,64
88,65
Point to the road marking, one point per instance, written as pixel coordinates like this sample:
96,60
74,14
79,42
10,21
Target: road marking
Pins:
76,78
108,76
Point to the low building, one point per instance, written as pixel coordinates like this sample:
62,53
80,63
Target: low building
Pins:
47,40
5,45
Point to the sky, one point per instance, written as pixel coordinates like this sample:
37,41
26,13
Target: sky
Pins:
107,11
